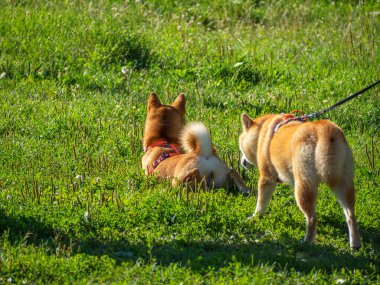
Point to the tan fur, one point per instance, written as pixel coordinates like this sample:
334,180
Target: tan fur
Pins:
303,155
200,164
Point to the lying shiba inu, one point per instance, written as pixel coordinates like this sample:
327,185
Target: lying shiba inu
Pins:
164,136
302,154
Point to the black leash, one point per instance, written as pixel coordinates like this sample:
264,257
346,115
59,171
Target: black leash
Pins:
320,113
291,117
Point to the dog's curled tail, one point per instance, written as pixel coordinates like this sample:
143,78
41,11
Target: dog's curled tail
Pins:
196,138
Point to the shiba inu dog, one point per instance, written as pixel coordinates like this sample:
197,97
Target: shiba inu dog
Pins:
165,135
302,154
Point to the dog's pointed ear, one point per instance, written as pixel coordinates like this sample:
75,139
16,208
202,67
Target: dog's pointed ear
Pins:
246,121
154,101
180,103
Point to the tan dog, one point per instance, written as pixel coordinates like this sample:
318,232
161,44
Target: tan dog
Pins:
302,154
164,135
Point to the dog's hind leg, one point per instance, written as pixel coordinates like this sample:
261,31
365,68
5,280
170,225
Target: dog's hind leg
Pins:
343,188
342,185
306,182
192,179
346,198
306,197
236,179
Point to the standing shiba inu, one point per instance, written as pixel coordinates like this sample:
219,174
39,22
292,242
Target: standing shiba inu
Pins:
302,154
164,136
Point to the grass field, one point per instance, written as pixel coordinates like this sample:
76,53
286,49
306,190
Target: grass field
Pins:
75,206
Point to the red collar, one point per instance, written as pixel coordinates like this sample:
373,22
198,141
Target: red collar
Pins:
162,143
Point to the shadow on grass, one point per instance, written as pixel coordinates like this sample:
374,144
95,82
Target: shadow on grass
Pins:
200,256
369,234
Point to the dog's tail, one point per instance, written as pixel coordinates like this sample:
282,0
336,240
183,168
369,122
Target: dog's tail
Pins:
196,138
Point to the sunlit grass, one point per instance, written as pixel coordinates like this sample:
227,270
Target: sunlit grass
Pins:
75,206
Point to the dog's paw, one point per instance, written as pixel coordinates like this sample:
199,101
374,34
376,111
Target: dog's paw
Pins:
253,217
356,247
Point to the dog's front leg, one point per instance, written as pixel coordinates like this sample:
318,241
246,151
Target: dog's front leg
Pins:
265,191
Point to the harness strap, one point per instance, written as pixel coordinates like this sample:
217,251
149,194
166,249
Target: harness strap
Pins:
289,118
160,143
164,155
160,159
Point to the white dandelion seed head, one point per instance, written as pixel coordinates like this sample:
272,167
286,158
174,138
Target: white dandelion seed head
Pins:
125,70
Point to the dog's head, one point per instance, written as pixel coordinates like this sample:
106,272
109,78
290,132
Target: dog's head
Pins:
164,121
248,141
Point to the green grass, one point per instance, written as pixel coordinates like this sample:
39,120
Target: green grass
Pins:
75,206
